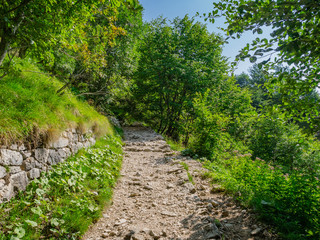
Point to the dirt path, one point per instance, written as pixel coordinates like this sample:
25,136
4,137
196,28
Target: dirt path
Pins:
155,199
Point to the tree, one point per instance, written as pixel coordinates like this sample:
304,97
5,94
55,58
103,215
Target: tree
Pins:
40,26
178,60
295,39
107,81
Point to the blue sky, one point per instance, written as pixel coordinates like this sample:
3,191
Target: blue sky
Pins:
173,8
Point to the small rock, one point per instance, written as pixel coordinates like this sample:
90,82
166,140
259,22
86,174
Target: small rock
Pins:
134,183
146,230
190,187
147,187
104,235
129,235
256,231
175,170
228,225
170,186
120,222
134,195
225,214
210,206
169,214
138,237
213,235
154,234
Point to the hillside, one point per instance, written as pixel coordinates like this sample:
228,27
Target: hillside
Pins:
30,107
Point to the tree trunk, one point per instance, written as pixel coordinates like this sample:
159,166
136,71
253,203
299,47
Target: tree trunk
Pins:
4,45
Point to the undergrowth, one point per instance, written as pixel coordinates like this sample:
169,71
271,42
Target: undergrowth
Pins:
289,201
65,201
29,100
174,145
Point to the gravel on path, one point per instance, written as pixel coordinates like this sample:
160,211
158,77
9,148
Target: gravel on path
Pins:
162,195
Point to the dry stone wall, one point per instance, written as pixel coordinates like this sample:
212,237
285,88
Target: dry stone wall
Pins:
20,165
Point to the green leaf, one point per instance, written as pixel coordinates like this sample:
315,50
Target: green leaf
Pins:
55,222
37,210
31,223
253,59
40,192
20,232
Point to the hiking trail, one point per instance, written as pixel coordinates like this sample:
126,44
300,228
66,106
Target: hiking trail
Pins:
155,199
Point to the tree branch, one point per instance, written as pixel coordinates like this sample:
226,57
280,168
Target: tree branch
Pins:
92,93
24,3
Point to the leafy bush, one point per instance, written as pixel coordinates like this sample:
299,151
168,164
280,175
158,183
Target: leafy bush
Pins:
275,140
214,122
290,201
65,201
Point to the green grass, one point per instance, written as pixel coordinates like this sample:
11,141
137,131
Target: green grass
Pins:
64,202
186,167
176,146
29,103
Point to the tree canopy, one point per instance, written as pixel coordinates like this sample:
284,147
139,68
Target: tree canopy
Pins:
294,41
177,61
40,26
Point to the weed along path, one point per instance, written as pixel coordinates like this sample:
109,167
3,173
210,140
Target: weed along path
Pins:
162,195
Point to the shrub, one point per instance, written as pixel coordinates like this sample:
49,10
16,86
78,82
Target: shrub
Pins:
275,140
291,201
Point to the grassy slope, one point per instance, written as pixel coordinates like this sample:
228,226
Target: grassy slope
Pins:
64,202
28,101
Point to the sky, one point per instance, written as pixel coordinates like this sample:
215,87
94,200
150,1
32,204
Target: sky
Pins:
179,8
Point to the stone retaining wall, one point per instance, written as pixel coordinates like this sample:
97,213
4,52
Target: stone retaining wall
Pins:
20,165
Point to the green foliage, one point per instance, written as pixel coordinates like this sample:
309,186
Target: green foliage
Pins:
40,25
109,86
256,84
294,38
177,61
65,201
290,201
29,99
209,129
275,140
218,117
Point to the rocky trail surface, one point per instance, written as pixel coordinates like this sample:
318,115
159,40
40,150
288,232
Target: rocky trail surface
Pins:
162,195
